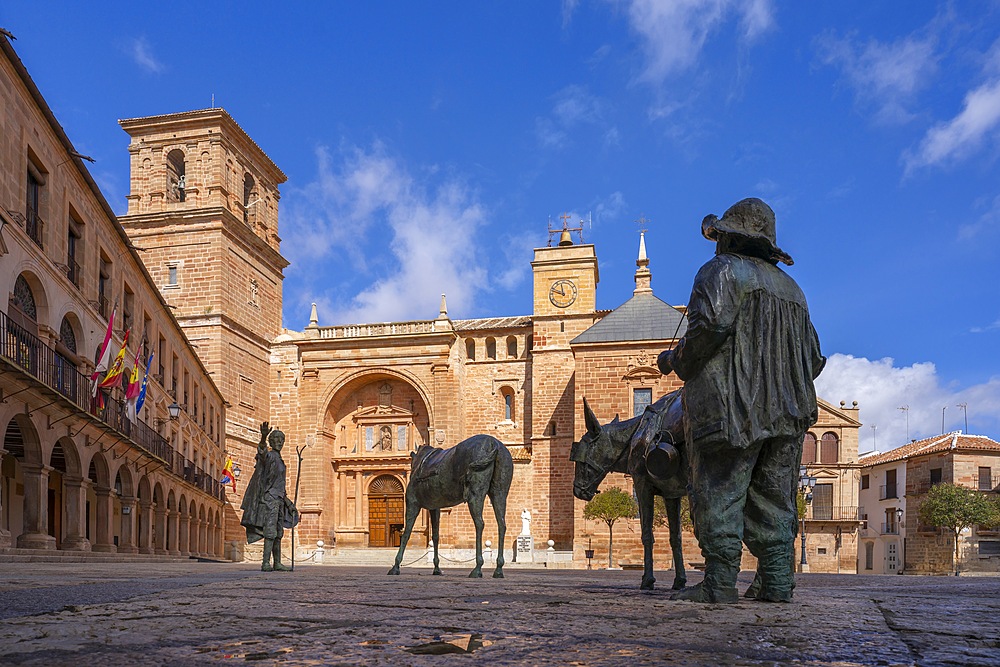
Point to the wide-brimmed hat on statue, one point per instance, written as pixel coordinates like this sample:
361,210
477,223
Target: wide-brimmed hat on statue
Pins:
750,218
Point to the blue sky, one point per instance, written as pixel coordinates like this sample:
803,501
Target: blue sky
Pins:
427,146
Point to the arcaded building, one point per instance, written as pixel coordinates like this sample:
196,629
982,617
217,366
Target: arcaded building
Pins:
78,473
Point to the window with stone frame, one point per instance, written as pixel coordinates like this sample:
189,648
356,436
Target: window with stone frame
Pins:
249,198
128,308
507,397
829,448
74,237
104,286
642,397
935,476
35,200
822,502
809,449
470,349
511,347
246,391
865,481
491,348
869,555
985,478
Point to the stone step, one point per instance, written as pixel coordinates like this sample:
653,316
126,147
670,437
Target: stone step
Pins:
14,555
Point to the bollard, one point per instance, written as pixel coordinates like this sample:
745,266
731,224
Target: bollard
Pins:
320,551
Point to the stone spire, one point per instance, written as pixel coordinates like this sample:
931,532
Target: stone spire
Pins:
313,318
642,274
443,321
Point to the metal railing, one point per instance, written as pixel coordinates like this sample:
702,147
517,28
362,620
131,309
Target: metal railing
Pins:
47,366
104,306
73,271
34,226
890,529
887,491
833,513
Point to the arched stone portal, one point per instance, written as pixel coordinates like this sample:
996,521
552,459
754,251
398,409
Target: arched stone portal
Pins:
370,427
386,511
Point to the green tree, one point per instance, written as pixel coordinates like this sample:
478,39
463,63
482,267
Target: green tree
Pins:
660,513
957,508
609,506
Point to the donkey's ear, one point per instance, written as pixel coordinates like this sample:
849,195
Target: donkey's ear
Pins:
590,419
615,420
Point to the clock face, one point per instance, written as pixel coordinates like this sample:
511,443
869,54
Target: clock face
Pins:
562,294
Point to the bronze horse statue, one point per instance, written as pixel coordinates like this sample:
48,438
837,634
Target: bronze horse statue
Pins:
477,467
626,446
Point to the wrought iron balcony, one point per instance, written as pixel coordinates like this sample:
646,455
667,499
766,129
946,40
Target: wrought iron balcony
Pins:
73,271
890,529
34,226
887,491
51,369
833,513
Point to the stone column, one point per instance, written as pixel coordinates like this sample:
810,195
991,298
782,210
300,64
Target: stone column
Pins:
160,533
184,535
173,530
105,511
203,547
193,541
5,539
76,505
126,542
146,527
36,508
358,516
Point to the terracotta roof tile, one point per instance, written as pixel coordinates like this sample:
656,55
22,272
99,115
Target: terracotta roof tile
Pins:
492,323
938,443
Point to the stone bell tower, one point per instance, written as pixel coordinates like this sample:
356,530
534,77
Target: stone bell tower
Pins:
203,211
565,298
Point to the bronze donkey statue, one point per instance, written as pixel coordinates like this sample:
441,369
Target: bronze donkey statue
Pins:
653,439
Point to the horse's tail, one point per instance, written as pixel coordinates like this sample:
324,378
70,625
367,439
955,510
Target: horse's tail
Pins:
503,471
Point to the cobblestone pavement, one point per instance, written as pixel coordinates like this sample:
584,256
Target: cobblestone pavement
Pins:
201,613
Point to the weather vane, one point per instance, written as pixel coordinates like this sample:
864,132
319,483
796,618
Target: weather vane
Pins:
643,223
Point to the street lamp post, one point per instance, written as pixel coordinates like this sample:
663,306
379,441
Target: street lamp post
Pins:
902,540
806,484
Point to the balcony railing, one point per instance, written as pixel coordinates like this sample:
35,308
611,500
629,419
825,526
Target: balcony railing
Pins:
55,372
73,271
887,491
104,306
833,513
890,529
34,226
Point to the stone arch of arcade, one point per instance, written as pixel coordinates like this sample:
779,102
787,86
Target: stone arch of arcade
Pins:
372,422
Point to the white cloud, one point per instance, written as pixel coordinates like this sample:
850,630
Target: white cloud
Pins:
610,208
572,108
965,133
881,389
990,220
674,33
995,326
142,54
423,238
885,76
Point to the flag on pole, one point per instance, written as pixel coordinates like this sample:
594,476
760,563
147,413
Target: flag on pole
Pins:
142,390
114,373
104,358
132,388
228,476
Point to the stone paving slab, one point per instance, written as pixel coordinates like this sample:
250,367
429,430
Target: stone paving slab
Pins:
211,614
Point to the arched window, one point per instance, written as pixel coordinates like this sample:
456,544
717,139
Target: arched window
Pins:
67,336
511,347
507,394
470,349
176,175
829,448
491,348
809,449
249,197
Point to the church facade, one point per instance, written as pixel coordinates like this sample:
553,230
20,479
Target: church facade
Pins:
359,398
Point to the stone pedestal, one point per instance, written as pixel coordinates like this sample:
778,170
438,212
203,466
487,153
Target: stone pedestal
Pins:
525,549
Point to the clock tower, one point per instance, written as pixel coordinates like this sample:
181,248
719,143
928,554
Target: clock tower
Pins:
565,286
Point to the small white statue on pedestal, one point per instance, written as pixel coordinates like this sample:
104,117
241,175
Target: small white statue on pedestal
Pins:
525,522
